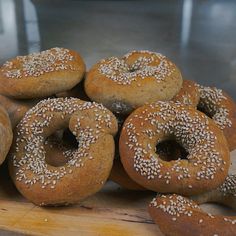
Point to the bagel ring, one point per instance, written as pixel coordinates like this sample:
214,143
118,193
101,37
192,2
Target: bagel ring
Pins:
188,94
206,165
139,77
44,184
5,134
41,74
172,213
222,109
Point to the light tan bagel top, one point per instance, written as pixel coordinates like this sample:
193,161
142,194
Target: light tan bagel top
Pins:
139,77
41,74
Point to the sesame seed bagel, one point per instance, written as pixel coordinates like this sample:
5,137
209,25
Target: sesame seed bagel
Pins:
41,74
206,165
222,109
5,134
16,109
87,167
139,77
176,216
188,94
225,194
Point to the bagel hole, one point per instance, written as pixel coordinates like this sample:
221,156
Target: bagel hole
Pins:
70,139
132,70
169,150
57,143
205,111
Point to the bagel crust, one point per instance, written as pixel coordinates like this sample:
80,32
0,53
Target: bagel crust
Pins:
206,165
16,109
139,77
5,134
87,167
188,94
41,74
222,109
176,216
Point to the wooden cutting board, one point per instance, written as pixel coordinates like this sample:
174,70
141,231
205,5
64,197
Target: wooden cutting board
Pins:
111,212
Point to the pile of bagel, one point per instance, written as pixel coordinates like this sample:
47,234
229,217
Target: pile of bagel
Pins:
132,119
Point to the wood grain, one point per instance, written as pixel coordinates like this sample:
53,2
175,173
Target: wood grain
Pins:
113,211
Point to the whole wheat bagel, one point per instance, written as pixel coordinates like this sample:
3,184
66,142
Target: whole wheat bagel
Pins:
139,77
177,215
41,74
206,165
87,166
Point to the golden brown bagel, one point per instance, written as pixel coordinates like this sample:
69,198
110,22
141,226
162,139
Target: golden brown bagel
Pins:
222,109
87,167
188,94
139,77
5,134
176,215
207,163
41,74
16,109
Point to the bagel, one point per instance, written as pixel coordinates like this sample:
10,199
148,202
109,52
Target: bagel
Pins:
139,77
206,165
16,109
87,166
5,134
188,94
41,74
222,109
173,212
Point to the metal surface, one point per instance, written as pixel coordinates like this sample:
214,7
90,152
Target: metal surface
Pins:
199,36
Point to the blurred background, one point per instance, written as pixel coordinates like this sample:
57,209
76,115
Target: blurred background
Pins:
199,36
